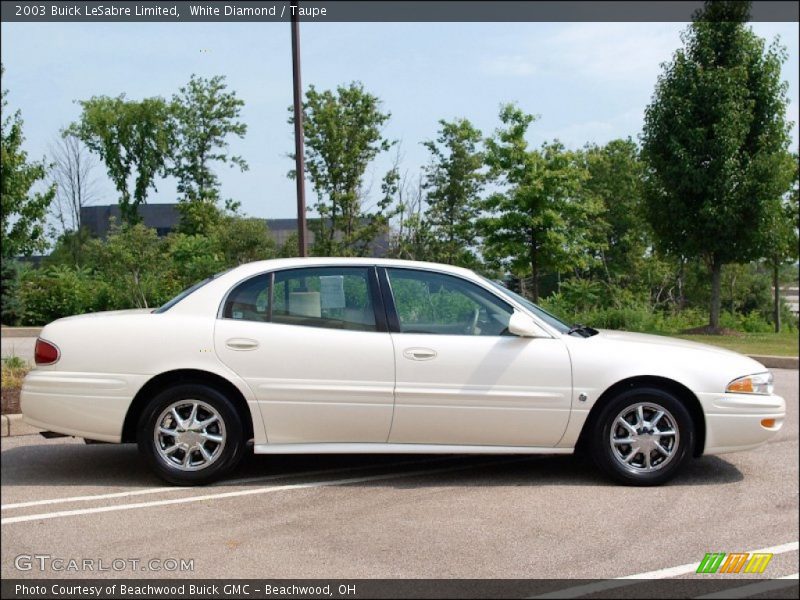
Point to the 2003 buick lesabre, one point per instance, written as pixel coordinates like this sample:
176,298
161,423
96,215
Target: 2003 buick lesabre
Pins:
359,355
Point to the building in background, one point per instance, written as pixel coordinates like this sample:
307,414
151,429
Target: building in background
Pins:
164,219
791,296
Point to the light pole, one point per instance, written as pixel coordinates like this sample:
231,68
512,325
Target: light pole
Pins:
299,157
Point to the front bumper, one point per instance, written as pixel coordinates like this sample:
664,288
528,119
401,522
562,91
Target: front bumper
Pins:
86,405
734,421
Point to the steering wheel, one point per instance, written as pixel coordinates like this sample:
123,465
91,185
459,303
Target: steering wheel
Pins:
473,328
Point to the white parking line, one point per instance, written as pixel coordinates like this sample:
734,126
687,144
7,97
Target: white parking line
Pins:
88,498
599,586
250,492
760,587
692,567
157,490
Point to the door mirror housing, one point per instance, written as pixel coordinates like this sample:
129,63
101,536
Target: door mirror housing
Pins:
522,325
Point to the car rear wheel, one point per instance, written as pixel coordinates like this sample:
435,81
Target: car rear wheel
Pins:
191,434
643,437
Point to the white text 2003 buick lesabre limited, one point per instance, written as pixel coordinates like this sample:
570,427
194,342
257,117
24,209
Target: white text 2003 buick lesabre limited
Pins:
358,355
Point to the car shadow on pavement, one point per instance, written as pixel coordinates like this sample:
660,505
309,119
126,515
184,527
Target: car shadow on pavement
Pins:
57,463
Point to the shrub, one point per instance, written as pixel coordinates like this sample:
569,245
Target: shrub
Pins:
192,258
14,370
55,292
750,323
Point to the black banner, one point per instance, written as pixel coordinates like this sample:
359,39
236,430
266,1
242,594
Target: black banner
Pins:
384,11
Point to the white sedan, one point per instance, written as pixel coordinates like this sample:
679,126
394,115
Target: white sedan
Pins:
335,355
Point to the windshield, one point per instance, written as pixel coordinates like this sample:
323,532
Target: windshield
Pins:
190,290
545,316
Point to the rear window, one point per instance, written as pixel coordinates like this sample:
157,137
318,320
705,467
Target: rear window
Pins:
329,297
188,291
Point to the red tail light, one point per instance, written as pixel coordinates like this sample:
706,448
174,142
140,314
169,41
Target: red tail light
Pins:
46,353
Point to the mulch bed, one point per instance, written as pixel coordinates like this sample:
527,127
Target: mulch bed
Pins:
9,400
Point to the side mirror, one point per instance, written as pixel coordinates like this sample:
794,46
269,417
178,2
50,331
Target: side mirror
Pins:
522,325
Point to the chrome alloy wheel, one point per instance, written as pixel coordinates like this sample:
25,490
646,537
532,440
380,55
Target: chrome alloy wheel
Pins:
644,437
189,435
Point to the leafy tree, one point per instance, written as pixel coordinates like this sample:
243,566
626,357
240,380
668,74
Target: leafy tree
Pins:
204,116
536,225
192,258
241,240
289,247
342,137
782,242
128,260
453,181
715,139
619,233
23,210
133,138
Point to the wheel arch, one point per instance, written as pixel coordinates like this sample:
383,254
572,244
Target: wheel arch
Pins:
682,392
169,378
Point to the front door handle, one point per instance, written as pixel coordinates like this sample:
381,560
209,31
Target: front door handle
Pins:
419,354
241,344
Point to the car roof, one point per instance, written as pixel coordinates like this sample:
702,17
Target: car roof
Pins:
297,262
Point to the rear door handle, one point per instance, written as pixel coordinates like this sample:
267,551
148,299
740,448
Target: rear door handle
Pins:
419,353
241,344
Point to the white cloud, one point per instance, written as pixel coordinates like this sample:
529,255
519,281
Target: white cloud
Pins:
630,52
596,131
514,65
616,52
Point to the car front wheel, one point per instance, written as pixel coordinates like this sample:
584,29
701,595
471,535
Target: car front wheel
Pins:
191,434
643,436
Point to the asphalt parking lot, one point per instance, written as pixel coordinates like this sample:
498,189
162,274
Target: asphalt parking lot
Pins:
397,516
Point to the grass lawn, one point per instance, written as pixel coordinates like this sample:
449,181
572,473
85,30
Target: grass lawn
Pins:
773,344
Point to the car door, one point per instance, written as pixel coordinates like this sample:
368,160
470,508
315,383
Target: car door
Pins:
315,351
461,378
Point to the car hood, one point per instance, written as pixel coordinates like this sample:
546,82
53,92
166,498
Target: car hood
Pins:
617,355
663,341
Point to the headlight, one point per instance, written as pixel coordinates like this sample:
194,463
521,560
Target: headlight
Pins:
760,383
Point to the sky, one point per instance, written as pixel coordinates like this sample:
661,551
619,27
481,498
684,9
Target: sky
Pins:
587,82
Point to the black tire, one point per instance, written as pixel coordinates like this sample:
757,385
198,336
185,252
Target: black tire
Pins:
611,462
225,460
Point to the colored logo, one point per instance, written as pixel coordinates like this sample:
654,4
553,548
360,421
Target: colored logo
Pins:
734,562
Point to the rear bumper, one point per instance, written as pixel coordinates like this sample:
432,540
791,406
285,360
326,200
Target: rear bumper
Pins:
85,405
734,421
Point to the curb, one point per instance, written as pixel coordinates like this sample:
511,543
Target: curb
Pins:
778,362
13,425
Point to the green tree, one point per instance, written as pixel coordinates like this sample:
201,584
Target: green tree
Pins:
536,224
715,140
23,209
133,139
205,115
343,136
453,181
782,242
619,233
128,260
242,239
